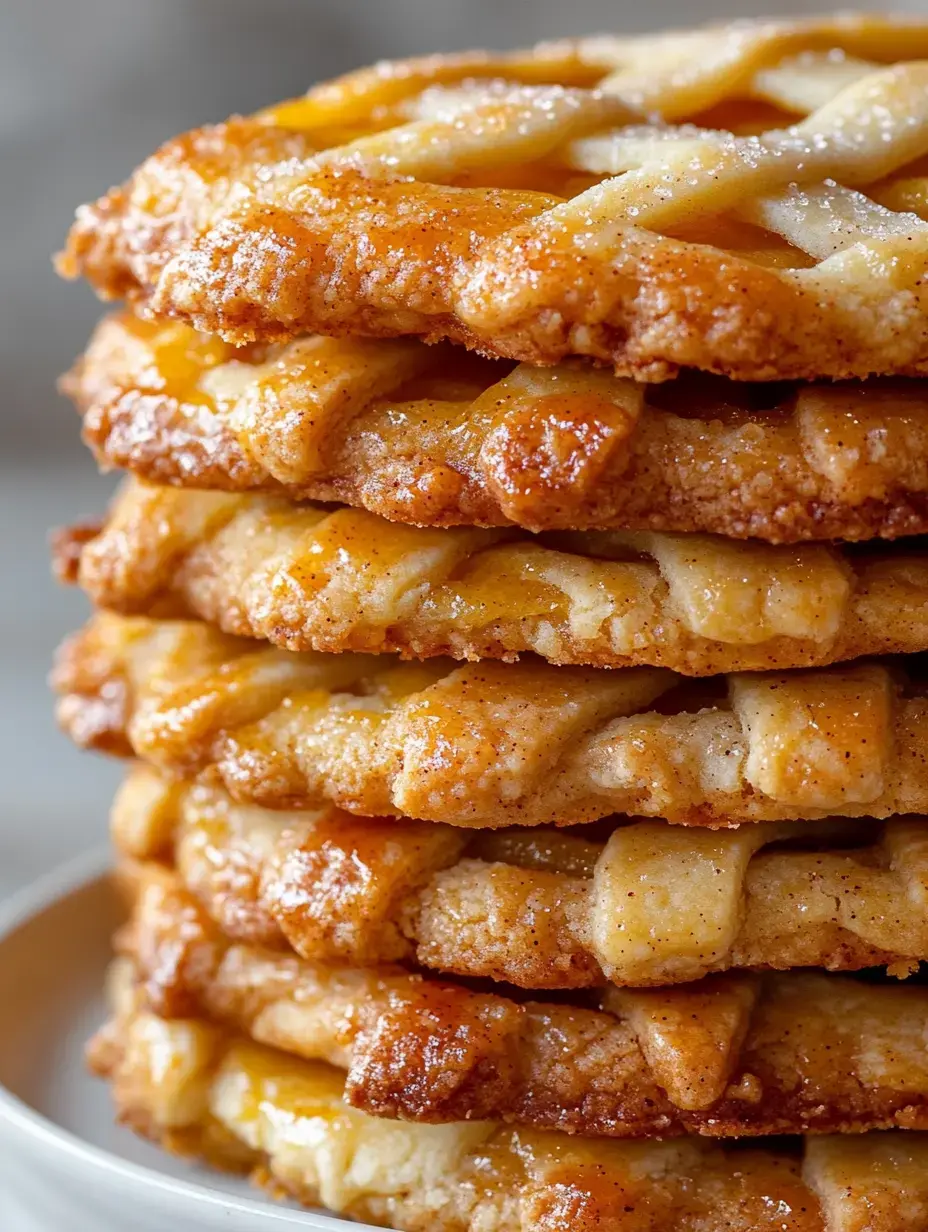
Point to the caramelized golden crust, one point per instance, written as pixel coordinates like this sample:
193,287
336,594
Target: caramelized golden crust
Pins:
727,1057
495,744
639,904
434,436
310,578
744,199
295,1130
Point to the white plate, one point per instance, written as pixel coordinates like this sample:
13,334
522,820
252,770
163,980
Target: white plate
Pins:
64,1165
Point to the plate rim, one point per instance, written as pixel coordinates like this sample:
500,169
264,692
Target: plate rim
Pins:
82,872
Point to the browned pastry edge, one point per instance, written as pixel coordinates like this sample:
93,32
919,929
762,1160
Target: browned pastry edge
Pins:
493,744
312,578
432,437
538,908
361,208
252,1108
262,272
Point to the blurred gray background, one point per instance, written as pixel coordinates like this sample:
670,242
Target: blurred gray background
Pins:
87,89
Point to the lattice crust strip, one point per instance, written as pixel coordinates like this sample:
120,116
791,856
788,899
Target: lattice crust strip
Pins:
310,578
730,1056
748,200
435,436
494,744
640,904
188,1085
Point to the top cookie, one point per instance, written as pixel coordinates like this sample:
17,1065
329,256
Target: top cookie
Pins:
746,199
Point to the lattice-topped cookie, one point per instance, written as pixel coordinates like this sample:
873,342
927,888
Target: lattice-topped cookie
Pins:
747,199
493,744
728,1056
640,904
186,1084
434,436
310,578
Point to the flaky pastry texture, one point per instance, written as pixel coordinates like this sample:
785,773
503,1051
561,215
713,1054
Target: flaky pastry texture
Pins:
491,744
747,199
437,437
729,1056
310,578
238,1104
640,904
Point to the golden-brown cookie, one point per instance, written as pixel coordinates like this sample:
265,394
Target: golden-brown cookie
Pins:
313,578
436,437
729,1056
640,903
235,1104
492,744
746,199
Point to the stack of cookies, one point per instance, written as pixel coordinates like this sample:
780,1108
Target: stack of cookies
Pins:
502,621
